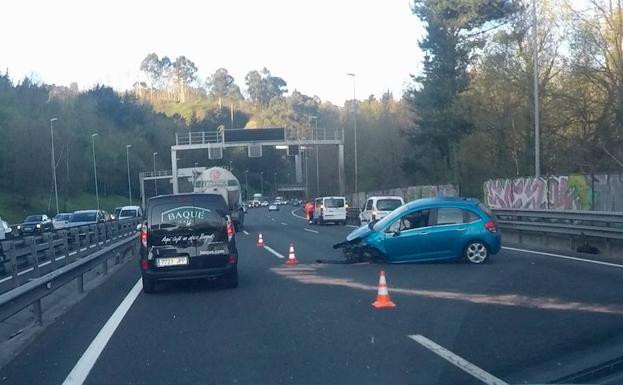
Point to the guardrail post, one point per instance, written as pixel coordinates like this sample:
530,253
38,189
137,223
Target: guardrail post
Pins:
49,238
108,232
14,271
105,266
64,234
36,309
80,283
35,255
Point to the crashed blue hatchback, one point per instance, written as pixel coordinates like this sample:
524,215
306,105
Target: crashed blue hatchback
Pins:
426,230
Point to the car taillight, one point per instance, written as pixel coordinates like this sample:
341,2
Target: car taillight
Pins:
144,236
491,226
144,264
232,260
373,214
230,230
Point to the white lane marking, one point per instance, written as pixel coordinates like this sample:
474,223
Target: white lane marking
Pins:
565,257
271,250
272,219
353,226
79,373
245,232
457,361
283,223
296,215
311,231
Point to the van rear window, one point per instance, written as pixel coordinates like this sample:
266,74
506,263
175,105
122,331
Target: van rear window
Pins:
332,203
187,210
388,204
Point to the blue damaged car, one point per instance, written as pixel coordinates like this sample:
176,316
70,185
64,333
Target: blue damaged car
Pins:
425,230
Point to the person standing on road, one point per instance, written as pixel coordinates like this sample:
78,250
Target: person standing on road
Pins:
309,210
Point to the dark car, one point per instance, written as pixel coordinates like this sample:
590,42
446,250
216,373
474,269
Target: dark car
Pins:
35,224
188,236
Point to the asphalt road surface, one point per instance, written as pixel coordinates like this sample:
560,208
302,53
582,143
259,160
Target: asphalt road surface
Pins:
522,318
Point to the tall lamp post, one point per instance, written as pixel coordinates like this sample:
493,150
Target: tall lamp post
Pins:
317,156
97,195
155,180
275,181
246,184
54,164
355,132
537,129
127,157
262,181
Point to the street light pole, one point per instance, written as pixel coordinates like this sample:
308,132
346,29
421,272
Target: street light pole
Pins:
97,195
537,129
317,157
262,182
275,181
246,184
127,157
155,180
355,132
54,164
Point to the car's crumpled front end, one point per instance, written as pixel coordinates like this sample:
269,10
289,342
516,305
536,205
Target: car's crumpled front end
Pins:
360,245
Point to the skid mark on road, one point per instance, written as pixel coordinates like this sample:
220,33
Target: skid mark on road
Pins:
313,277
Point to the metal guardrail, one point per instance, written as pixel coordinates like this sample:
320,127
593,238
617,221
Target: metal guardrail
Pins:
92,246
31,256
596,224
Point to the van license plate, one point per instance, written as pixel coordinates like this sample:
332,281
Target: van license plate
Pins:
175,261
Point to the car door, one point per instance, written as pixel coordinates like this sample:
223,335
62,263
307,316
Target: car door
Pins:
407,238
446,234
365,214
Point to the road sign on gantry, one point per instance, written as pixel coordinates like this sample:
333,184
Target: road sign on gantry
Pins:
215,153
255,150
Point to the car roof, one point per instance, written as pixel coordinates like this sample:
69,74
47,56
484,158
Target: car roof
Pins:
377,197
458,201
85,211
130,208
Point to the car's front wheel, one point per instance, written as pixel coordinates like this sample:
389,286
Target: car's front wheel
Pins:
149,285
476,252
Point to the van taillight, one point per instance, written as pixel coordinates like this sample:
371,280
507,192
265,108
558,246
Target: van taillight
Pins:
144,264
232,260
373,214
144,236
491,226
230,230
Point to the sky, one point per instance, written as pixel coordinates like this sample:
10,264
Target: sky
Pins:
310,44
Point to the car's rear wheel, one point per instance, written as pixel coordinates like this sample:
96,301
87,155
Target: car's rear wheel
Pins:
476,252
230,281
149,285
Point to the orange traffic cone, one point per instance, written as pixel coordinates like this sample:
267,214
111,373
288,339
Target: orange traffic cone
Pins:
382,298
260,241
291,257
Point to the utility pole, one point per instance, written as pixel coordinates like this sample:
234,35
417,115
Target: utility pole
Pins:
155,180
97,195
537,128
355,133
54,164
127,157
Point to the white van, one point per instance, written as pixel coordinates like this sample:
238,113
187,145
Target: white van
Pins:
330,209
130,212
378,207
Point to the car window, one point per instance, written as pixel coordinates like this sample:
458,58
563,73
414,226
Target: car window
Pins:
187,211
318,202
333,203
83,217
449,216
369,204
128,213
470,216
415,220
388,204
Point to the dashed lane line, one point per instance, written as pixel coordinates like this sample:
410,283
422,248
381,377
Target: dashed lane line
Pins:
457,361
564,257
311,231
283,223
245,232
272,251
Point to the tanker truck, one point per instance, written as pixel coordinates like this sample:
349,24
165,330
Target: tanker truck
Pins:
217,180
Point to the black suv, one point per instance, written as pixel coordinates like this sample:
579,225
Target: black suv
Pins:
188,236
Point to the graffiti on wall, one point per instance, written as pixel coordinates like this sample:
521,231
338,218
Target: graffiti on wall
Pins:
569,192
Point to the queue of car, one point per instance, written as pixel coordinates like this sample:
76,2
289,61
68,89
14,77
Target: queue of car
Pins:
39,223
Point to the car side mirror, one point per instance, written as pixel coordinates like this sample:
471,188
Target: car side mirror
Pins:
396,233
